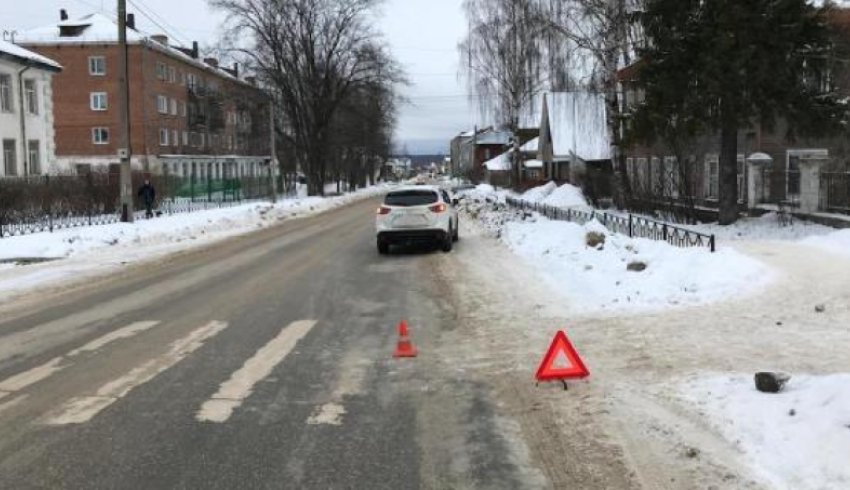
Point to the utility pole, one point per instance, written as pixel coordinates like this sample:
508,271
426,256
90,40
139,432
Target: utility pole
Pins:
126,177
272,150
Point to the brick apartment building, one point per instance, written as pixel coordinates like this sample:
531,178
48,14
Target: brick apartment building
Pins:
188,116
771,167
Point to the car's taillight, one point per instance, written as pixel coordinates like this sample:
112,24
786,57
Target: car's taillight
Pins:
384,210
438,208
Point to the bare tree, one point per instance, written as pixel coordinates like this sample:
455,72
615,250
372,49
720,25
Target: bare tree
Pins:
601,41
504,57
312,54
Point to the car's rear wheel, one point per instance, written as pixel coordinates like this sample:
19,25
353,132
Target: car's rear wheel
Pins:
448,241
383,247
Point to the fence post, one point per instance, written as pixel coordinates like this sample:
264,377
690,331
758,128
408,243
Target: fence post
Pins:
569,214
712,242
631,227
664,231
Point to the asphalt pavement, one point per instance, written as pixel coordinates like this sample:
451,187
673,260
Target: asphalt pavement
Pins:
260,362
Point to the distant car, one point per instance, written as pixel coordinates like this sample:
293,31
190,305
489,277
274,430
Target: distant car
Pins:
415,215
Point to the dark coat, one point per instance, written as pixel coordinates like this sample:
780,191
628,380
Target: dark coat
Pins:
147,193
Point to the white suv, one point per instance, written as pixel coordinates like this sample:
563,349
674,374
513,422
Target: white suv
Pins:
417,214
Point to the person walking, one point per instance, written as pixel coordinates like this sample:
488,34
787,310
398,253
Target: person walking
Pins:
147,194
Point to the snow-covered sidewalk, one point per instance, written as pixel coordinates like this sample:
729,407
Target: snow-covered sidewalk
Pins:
77,253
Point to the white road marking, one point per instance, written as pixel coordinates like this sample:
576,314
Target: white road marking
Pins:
12,403
352,375
329,413
44,371
82,409
235,390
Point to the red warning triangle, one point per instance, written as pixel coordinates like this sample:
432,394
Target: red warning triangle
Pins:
561,361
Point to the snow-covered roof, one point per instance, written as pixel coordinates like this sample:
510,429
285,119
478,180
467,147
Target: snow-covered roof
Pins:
99,28
93,28
501,163
493,138
578,124
27,56
533,163
531,145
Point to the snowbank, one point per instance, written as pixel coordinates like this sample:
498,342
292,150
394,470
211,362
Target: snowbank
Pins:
798,439
87,251
538,194
597,279
765,227
566,196
836,242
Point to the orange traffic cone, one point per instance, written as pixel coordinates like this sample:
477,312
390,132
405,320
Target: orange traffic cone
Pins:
405,347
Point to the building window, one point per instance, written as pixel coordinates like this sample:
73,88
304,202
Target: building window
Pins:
10,165
711,176
163,137
31,96
174,140
162,104
97,101
172,74
191,81
185,138
173,107
6,93
100,136
34,156
161,71
97,66
203,140
183,109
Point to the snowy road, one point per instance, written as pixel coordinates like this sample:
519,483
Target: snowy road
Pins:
261,362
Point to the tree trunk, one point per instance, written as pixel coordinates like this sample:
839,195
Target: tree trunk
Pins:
728,178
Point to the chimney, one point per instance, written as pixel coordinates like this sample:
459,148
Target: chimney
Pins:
195,49
131,21
213,62
63,14
161,39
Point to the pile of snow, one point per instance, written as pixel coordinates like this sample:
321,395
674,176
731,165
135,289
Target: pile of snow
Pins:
567,196
95,249
798,439
538,194
836,242
766,227
596,279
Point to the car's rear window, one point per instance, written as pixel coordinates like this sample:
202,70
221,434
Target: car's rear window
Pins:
410,198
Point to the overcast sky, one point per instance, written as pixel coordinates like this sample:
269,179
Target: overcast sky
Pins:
423,35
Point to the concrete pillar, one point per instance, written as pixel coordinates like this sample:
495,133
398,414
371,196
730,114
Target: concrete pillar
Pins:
755,184
810,184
